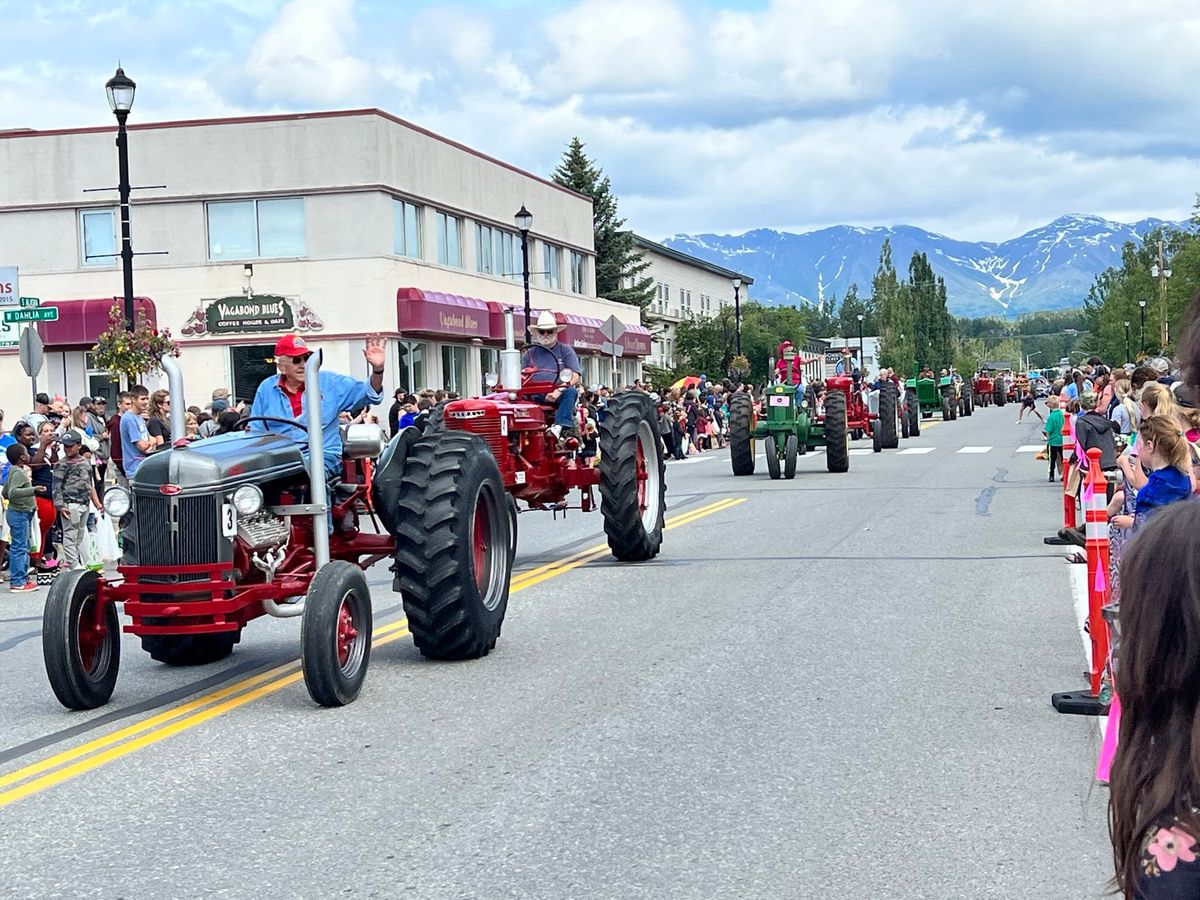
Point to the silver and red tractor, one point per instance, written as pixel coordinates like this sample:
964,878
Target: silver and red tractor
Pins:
221,531
543,471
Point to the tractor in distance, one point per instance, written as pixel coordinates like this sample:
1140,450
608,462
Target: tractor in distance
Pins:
982,388
221,531
926,395
541,470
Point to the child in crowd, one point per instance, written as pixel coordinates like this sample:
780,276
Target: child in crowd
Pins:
1162,450
590,444
18,491
1054,437
74,495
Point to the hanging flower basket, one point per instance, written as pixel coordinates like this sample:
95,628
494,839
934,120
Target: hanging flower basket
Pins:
739,367
131,354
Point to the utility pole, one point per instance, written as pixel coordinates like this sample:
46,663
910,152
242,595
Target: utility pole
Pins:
1163,272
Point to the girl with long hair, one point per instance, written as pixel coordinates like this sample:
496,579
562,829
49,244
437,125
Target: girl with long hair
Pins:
1155,778
159,423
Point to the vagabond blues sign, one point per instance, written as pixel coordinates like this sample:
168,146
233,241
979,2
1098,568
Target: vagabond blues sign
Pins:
241,315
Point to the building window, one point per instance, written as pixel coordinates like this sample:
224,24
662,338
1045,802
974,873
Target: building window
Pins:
454,369
664,297
99,382
489,361
256,229
250,365
550,275
578,271
406,229
413,355
496,252
98,237
685,302
449,235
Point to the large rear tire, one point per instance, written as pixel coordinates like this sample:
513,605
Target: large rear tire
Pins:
453,548
946,413
741,434
633,487
837,449
771,448
914,415
790,452
887,417
189,649
81,642
335,633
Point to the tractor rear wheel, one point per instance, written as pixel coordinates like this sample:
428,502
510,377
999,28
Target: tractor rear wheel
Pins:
453,547
856,434
633,486
81,641
335,633
741,441
877,441
887,417
914,415
790,452
771,448
837,449
189,649
953,407
998,394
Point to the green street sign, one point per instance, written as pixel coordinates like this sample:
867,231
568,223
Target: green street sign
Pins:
30,302
40,314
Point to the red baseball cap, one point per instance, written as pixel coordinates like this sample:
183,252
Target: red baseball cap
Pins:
291,345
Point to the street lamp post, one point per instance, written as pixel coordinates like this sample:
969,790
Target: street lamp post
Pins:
1127,357
120,89
1142,335
861,356
524,221
1162,273
737,314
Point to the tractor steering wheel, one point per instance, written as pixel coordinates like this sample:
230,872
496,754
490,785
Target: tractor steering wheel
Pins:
246,420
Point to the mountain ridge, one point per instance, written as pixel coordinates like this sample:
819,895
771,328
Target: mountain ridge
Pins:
1051,267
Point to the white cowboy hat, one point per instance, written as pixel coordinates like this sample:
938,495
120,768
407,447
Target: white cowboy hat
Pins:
546,321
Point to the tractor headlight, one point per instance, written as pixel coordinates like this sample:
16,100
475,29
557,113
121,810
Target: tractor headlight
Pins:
116,502
247,500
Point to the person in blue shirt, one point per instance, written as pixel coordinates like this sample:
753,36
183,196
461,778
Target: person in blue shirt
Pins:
282,396
550,357
135,439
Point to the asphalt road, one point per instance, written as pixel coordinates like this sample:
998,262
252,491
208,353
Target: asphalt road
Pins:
835,687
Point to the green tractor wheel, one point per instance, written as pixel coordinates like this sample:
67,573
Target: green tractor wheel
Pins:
886,425
741,440
837,448
914,415
945,408
772,451
791,451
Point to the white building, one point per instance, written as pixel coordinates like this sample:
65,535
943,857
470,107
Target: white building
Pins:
834,354
688,288
337,225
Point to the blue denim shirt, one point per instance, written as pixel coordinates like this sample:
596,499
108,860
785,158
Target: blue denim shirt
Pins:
339,393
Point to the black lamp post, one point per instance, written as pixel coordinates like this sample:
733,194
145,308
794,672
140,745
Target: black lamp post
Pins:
120,90
1142,336
524,221
1127,358
861,356
737,314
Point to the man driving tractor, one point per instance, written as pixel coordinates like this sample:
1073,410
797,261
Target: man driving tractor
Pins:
282,395
551,357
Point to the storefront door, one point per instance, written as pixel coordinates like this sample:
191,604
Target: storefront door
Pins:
250,366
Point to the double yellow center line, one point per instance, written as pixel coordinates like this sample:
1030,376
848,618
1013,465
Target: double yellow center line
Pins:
68,764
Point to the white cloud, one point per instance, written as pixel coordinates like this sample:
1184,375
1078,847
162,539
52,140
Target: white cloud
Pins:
304,55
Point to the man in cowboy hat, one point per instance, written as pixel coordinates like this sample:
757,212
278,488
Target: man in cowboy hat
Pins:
282,395
550,357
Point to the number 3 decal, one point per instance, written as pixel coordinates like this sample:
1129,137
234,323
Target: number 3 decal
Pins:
228,520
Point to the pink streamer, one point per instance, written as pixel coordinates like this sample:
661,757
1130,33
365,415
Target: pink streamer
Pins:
1089,493
1101,580
1109,748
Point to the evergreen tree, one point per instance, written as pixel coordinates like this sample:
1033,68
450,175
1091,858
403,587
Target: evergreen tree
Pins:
894,314
854,306
620,268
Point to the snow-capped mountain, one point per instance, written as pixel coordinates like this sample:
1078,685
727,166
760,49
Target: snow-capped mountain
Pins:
1047,268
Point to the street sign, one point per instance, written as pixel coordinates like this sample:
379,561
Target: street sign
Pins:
30,302
40,314
610,349
31,352
612,329
9,290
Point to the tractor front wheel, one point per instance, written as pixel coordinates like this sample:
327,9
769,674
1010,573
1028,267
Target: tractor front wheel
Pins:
790,452
772,451
837,448
633,486
877,441
914,415
945,408
741,434
856,434
81,641
453,546
335,633
886,425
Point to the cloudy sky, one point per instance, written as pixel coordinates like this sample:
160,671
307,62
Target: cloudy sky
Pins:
708,115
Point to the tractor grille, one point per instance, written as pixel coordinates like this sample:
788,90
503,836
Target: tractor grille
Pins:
179,531
486,427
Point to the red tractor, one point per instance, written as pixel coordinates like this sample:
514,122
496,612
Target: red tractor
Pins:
982,387
542,470
219,532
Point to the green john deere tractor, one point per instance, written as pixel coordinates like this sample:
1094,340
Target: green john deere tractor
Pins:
789,429
926,396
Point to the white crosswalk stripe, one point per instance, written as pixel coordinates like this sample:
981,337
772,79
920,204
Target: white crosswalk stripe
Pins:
975,450
915,451
859,451
1030,448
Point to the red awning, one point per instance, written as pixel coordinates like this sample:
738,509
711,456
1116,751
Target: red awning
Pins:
430,312
80,322
636,340
582,332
